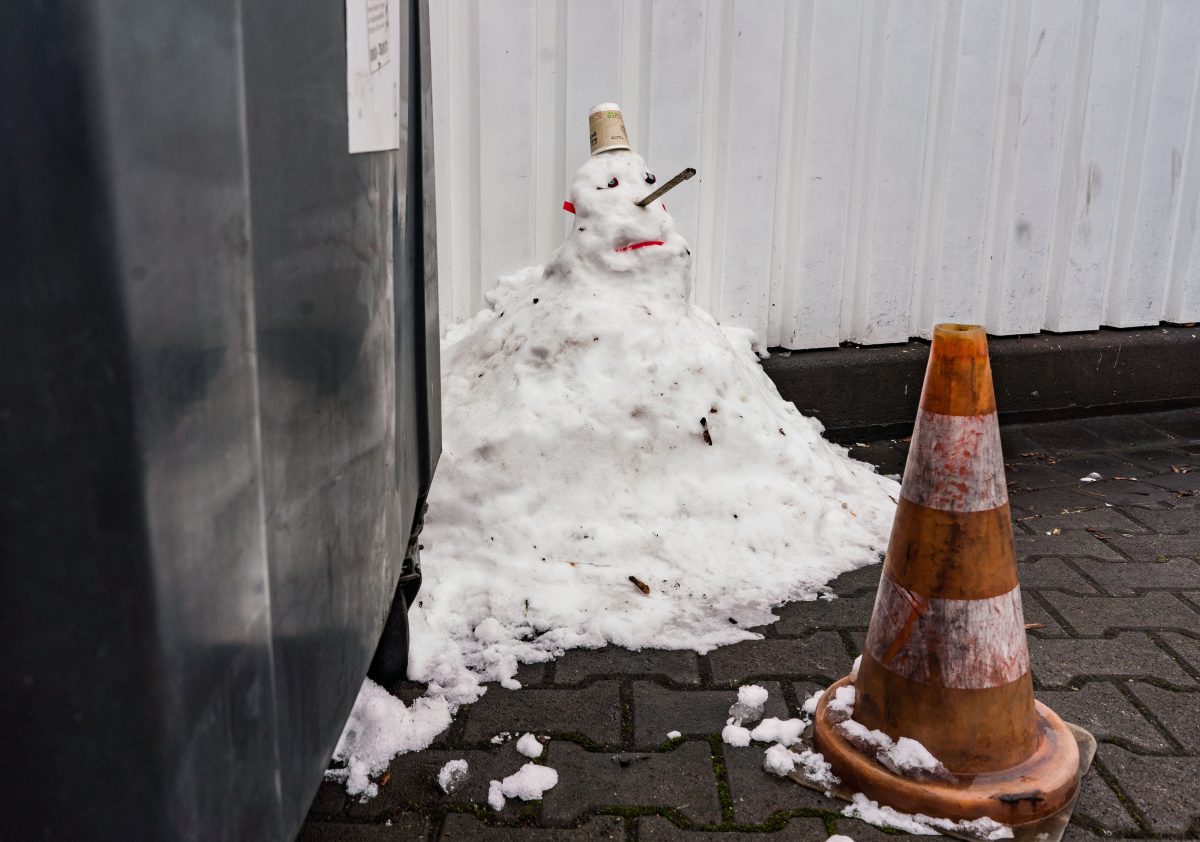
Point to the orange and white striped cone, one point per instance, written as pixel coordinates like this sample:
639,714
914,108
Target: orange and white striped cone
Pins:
946,661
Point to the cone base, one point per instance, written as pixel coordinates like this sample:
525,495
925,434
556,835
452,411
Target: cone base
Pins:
1028,792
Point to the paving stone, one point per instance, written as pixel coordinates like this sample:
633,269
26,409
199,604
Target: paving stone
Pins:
1068,542
758,794
1023,475
1127,430
820,655
659,829
681,779
861,581
1157,547
1111,520
1057,501
406,826
1169,521
594,712
860,831
1066,436
1127,655
1052,573
1157,460
460,827
1099,804
858,639
583,664
1182,424
798,618
329,801
1094,615
1129,492
1188,648
1015,440
1103,709
1120,578
658,710
1035,612
413,779
1165,789
1175,709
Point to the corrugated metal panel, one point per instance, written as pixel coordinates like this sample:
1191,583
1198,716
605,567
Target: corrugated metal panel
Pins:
866,167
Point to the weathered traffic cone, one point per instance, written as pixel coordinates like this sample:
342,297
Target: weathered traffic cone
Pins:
945,661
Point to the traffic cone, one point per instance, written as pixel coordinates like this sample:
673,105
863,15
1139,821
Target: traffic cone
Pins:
946,661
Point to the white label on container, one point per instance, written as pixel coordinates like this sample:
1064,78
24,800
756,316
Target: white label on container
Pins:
375,34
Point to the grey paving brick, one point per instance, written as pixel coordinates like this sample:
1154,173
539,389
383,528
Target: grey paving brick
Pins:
583,664
820,655
412,780
1099,805
1158,460
1068,542
594,712
1120,578
860,581
858,639
1165,789
1157,547
1029,474
1178,711
658,710
460,827
1052,573
1095,615
758,794
1015,440
1058,501
659,829
802,690
1188,648
1110,520
1127,655
406,826
1103,709
860,831
1129,492
1035,612
1127,430
1066,436
1169,521
1181,424
330,800
798,618
681,779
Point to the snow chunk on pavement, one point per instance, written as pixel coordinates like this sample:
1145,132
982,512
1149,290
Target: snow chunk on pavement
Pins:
837,837
380,727
810,704
773,730
673,735
752,695
527,783
871,812
529,746
452,776
735,735
1092,477
779,760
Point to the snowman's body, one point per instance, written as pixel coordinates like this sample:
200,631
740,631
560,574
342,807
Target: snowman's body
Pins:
598,427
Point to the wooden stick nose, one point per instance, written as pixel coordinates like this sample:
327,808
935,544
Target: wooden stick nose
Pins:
675,182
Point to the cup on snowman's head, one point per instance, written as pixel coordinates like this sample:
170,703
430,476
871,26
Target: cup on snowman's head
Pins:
606,128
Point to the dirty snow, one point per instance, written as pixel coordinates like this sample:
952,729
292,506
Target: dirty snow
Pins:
453,775
871,812
529,746
773,730
601,434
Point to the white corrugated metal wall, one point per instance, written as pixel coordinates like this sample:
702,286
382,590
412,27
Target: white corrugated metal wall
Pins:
866,167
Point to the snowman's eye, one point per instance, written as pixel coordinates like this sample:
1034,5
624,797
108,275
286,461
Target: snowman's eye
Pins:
650,179
612,183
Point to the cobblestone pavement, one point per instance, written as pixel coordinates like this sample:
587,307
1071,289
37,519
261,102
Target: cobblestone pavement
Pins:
1111,567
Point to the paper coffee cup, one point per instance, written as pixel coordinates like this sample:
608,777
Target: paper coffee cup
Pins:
607,128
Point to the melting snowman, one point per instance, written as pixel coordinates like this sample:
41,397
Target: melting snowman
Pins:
617,468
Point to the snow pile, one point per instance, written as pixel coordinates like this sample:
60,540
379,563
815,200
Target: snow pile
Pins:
735,735
528,783
379,728
872,813
784,731
904,756
452,776
617,468
529,746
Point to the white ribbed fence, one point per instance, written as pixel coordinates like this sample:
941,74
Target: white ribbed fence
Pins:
866,167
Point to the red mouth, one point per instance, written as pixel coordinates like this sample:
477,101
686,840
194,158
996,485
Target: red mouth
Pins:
641,245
